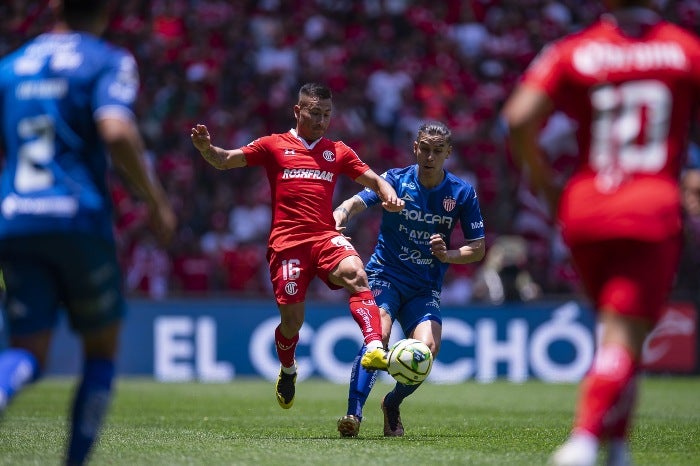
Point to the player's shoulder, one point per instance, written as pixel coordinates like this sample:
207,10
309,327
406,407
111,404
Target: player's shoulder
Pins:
459,184
670,31
402,171
274,140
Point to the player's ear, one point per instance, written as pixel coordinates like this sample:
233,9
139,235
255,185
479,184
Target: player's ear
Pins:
297,109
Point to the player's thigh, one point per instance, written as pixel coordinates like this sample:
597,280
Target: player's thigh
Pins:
90,282
79,272
31,299
338,264
631,278
421,307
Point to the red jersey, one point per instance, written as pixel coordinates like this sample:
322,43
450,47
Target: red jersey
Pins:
302,180
633,97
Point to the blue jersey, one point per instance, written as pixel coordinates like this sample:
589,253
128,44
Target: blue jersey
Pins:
52,90
402,254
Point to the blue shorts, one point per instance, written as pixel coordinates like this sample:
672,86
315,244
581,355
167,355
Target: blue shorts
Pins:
408,306
45,273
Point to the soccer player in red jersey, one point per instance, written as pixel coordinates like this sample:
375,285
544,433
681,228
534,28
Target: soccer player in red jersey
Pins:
632,83
303,167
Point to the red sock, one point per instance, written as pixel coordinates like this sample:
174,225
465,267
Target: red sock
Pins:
616,424
612,370
285,347
366,313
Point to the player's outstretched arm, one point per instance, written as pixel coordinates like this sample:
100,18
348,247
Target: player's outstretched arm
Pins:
524,113
385,191
126,150
217,157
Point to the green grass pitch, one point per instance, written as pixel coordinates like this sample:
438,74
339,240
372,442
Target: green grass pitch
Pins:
240,423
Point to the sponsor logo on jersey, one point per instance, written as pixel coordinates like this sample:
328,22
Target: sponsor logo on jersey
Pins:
479,224
426,217
55,206
407,197
291,288
449,203
53,88
328,156
308,173
410,185
289,152
415,257
595,57
368,302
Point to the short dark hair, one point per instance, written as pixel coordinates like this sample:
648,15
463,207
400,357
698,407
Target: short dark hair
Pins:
79,14
435,128
315,90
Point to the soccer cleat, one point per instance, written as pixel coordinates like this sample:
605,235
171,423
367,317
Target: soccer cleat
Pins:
377,359
392,421
285,389
349,425
575,452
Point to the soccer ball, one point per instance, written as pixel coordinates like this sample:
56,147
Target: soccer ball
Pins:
410,361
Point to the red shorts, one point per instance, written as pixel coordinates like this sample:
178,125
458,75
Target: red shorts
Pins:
292,269
631,277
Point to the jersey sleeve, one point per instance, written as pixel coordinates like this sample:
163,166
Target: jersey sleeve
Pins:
256,152
117,87
471,220
353,166
546,71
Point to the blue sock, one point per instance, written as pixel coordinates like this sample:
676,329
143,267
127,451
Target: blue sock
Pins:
361,383
89,408
397,395
18,367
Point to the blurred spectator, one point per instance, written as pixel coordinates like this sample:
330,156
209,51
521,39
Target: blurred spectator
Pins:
148,268
688,280
193,270
387,88
249,219
398,63
504,277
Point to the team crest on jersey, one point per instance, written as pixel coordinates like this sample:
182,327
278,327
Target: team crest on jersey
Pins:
291,288
328,156
449,203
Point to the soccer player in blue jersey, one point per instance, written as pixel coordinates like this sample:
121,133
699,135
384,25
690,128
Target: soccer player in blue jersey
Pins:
410,259
66,102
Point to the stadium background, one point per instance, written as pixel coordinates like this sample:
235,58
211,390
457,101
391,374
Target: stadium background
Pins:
236,66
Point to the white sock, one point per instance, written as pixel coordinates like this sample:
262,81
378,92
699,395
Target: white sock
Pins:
374,344
290,370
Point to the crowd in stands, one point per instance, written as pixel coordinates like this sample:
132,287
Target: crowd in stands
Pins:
236,66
